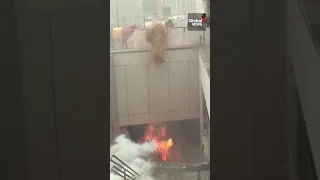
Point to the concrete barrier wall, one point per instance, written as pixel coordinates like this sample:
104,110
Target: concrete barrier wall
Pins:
149,92
114,125
177,37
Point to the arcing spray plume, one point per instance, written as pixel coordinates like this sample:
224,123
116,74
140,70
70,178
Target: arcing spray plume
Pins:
134,155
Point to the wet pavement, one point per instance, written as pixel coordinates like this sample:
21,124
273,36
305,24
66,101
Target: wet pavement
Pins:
181,172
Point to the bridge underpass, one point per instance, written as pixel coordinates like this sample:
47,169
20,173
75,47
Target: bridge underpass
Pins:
78,85
145,92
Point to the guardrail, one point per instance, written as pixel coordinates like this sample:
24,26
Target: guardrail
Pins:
122,169
177,37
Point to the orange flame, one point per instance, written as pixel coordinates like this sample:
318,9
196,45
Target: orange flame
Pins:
162,146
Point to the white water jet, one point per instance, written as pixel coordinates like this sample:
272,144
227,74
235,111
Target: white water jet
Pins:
134,155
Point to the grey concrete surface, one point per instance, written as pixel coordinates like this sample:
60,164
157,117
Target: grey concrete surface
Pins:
180,173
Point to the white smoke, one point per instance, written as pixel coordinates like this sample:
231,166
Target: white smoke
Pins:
134,155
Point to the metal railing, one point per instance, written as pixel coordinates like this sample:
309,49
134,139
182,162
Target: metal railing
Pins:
122,169
179,36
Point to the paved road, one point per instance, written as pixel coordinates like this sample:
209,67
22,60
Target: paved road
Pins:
184,176
180,174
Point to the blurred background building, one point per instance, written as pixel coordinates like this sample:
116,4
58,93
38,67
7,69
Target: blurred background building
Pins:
141,12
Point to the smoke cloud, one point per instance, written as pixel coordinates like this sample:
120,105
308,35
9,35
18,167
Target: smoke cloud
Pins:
134,155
